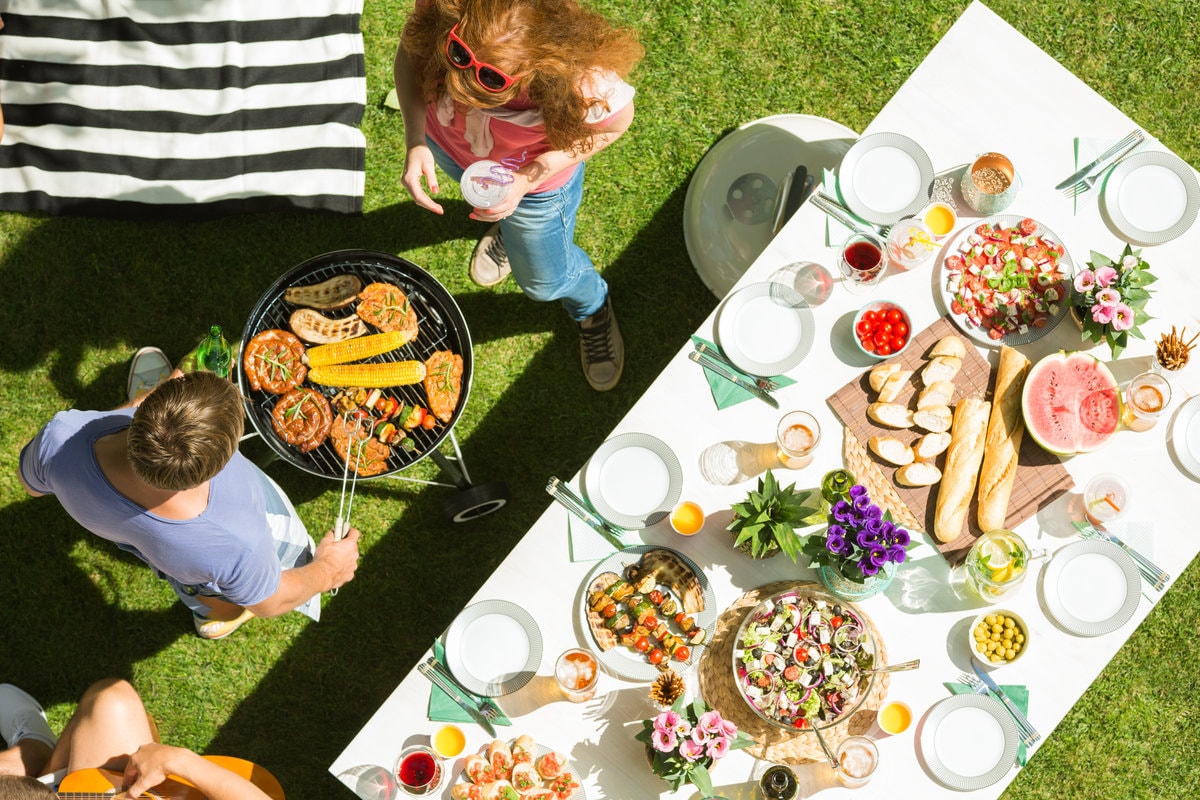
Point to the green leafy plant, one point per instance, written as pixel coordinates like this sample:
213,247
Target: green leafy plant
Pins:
765,522
1110,298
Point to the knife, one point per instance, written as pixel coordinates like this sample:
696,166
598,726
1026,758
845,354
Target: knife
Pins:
1137,137
576,505
466,705
751,387
1021,719
839,212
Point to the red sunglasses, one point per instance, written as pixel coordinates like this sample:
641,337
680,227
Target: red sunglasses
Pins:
489,77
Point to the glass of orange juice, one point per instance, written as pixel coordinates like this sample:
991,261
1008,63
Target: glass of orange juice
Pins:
687,518
449,741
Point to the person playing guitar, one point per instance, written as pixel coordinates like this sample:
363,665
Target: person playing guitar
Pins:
111,743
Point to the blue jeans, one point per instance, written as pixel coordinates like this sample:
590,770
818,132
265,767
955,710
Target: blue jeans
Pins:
539,238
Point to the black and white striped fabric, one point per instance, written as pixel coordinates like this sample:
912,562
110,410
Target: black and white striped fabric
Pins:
181,108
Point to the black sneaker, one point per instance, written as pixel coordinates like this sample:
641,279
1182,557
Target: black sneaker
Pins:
489,262
601,348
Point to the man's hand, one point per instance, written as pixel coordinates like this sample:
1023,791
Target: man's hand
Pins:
338,557
151,764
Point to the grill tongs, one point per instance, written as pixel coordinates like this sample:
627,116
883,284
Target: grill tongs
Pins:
362,430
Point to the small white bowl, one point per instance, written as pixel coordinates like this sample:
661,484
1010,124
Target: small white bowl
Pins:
881,305
973,643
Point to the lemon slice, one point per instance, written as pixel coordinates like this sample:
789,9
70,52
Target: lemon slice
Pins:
996,554
1003,575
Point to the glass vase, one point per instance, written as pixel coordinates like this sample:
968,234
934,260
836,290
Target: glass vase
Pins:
843,587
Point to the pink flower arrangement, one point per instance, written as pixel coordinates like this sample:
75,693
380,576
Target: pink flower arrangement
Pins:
1110,298
684,741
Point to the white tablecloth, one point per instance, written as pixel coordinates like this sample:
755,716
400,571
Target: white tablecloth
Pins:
919,615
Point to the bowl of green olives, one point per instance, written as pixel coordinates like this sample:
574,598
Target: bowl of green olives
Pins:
998,637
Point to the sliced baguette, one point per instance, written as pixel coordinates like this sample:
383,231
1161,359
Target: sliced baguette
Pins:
891,450
949,345
935,419
941,368
893,385
879,374
930,446
938,393
890,415
919,473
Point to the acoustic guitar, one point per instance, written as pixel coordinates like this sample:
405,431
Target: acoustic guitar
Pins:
94,784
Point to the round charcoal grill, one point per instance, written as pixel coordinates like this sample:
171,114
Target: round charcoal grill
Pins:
442,327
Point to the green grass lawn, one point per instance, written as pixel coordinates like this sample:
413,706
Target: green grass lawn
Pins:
84,294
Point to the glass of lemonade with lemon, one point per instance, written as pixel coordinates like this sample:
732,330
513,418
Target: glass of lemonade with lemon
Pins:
997,563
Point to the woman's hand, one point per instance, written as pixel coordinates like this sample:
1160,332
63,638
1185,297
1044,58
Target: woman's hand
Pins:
418,166
520,187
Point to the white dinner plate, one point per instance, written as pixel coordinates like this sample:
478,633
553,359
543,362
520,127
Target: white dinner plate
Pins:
633,480
1092,587
765,328
980,335
626,662
1185,436
885,177
493,647
969,741
1152,197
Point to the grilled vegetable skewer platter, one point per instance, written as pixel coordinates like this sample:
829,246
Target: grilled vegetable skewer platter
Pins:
415,387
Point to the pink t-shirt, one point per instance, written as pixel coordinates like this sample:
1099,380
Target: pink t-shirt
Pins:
514,134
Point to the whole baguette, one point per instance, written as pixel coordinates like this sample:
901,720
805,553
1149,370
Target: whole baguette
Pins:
962,467
1005,430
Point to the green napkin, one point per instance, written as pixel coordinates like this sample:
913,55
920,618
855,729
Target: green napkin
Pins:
835,232
725,392
444,709
587,545
1020,697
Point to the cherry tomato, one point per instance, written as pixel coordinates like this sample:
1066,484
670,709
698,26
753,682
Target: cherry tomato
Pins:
825,648
791,673
429,423
871,316
887,328
682,654
894,315
642,644
880,339
900,329
656,656
609,611
898,343
800,722
835,622
651,622
884,349
864,327
656,597
956,307
995,333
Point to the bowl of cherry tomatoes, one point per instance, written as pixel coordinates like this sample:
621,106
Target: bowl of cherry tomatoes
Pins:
882,329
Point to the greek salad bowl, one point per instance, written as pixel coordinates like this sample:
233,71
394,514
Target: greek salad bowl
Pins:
800,659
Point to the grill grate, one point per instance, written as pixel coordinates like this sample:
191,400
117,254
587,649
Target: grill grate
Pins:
442,327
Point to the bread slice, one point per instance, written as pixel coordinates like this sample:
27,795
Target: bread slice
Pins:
919,473
935,419
941,368
894,385
930,446
890,415
949,345
891,450
880,373
938,393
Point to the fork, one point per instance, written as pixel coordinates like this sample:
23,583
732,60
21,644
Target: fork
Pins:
1029,734
487,706
766,384
1123,148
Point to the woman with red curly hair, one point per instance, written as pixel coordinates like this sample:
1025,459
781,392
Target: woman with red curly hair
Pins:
536,85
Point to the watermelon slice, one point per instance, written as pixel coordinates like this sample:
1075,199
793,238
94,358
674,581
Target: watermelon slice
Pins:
1071,403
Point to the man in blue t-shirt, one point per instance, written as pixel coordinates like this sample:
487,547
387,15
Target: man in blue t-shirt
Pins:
162,478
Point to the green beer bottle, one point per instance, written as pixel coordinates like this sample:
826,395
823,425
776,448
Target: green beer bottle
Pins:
214,353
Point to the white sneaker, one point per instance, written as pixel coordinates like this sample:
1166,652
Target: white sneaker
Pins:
22,717
149,368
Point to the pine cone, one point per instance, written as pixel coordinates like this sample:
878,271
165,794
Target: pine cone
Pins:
1172,351
667,688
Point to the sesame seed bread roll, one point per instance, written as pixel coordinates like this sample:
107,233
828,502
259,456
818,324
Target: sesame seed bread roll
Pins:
961,472
1005,430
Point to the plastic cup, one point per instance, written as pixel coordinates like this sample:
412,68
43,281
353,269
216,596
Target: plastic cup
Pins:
577,673
449,741
1146,399
911,244
485,183
687,518
1105,498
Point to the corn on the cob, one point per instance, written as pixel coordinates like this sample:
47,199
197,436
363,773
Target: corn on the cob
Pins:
354,349
369,376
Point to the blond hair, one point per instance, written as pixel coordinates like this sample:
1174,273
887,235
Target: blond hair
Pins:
185,431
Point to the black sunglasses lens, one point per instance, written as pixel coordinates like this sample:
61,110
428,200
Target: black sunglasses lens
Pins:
458,54
491,79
